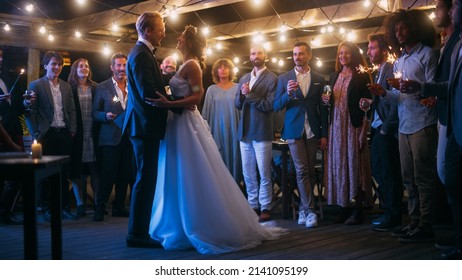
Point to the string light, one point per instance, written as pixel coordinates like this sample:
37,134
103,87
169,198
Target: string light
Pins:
258,37
281,62
106,50
81,2
7,27
175,56
77,34
432,16
208,51
235,70
206,30
30,8
236,60
219,46
319,63
367,3
115,27
274,60
257,2
51,38
43,29
282,38
173,14
267,46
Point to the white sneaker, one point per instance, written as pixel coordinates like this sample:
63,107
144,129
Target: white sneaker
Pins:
301,217
311,220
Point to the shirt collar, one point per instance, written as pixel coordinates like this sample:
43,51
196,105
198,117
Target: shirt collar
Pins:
258,72
415,49
147,43
300,73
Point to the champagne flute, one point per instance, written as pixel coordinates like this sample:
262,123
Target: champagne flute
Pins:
327,92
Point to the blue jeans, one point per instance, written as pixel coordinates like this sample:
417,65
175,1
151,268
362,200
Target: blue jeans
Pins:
257,154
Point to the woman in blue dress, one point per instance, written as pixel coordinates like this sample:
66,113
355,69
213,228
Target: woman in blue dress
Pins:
197,202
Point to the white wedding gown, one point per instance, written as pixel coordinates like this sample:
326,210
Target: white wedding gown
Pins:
197,203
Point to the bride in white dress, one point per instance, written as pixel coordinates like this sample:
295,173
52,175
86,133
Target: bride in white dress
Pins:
197,203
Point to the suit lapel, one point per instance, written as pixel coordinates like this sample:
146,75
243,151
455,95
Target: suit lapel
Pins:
46,85
458,65
259,79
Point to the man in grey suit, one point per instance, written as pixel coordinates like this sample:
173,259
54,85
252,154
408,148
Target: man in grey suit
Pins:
116,165
305,125
254,98
51,119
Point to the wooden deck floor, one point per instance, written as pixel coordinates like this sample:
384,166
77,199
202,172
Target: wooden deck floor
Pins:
88,240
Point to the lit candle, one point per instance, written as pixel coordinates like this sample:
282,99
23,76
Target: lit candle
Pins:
36,150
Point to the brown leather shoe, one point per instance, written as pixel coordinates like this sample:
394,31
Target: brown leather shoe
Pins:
265,215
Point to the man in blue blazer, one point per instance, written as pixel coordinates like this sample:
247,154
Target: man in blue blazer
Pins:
52,120
144,124
305,125
255,98
454,145
116,165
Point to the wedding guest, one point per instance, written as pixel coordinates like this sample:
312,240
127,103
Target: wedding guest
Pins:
384,138
254,97
223,117
83,156
51,119
109,107
348,164
168,67
413,31
305,125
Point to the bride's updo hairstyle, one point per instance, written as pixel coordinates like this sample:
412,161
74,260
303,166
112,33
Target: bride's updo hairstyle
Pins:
197,43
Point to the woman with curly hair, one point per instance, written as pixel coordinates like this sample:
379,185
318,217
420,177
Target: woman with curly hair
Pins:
197,203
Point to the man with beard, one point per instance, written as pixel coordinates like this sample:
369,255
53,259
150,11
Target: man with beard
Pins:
109,107
255,97
414,32
384,147
305,125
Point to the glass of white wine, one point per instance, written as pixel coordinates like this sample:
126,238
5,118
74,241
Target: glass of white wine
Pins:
327,92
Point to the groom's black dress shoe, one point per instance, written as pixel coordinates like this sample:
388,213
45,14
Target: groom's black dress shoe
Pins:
137,242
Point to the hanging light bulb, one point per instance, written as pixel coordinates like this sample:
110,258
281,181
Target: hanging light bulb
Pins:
51,38
77,33
42,29
29,8
236,60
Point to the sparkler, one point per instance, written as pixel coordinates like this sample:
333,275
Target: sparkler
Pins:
22,71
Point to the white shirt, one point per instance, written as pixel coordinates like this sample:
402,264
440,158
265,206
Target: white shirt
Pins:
120,95
58,115
304,81
254,76
147,43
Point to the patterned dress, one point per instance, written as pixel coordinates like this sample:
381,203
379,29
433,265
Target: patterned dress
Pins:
348,168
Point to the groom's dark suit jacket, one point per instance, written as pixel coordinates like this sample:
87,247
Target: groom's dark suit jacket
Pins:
144,79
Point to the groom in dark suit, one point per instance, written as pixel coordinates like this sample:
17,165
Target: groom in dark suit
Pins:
305,125
144,124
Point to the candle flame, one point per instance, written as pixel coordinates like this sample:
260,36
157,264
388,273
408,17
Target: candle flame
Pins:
391,58
35,142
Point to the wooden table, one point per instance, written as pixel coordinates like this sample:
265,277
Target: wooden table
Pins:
286,189
30,172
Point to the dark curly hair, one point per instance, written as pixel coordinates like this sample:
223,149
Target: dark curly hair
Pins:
198,43
419,24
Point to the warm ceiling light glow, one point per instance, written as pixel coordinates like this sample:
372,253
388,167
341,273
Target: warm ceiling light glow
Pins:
330,28
7,27
219,46
81,2
303,21
257,2
114,26
51,38
208,51
282,38
319,63
367,3
351,36
236,60
341,30
206,30
267,46
258,37
106,50
235,70
175,56
30,8
173,14
281,62
383,4
315,42
283,28
323,30
42,29
78,34
432,16
274,60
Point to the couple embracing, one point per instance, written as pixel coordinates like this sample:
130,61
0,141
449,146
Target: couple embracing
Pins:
184,196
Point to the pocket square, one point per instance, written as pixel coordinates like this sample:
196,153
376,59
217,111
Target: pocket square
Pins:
317,84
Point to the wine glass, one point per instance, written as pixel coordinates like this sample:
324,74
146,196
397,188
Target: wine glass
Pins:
293,93
327,92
